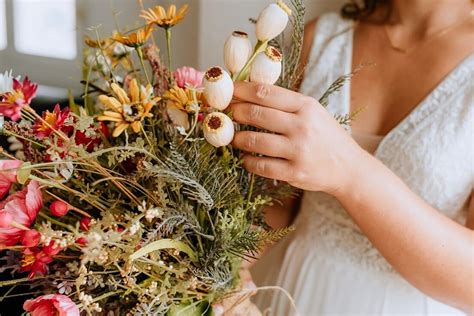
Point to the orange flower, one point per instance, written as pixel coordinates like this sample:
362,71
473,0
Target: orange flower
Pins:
162,18
128,110
135,39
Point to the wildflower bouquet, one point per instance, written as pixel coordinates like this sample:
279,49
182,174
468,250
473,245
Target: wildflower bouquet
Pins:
133,202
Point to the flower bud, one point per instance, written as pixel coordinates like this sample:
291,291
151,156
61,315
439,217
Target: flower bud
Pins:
218,129
178,118
266,68
82,241
272,21
218,88
85,223
237,50
59,208
6,219
31,238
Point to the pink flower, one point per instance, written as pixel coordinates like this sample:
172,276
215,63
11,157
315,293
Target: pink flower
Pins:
51,305
12,102
8,175
23,206
85,223
188,76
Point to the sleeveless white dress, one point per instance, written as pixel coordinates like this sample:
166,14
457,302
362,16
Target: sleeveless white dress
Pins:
327,265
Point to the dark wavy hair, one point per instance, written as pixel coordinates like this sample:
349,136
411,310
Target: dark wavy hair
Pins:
359,10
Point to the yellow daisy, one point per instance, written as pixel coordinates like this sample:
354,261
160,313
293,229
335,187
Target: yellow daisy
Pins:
135,39
183,99
162,18
128,110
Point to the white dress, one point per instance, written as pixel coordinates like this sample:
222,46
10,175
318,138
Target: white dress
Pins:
327,265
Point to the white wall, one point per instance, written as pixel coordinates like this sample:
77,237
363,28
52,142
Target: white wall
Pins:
197,41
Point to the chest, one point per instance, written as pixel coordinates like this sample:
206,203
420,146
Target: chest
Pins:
391,84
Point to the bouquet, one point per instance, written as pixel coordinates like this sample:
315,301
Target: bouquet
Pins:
132,201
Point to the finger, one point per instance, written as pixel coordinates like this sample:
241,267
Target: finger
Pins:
271,96
263,143
273,168
262,117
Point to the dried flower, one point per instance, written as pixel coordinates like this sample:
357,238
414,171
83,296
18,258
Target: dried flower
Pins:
266,68
128,110
14,100
23,206
188,76
218,129
218,88
162,18
6,82
272,21
183,99
59,208
51,304
135,39
237,50
51,122
31,238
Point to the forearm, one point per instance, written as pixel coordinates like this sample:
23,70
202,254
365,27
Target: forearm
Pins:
431,251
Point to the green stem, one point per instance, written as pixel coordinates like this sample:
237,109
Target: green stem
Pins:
168,46
249,194
52,220
16,281
242,75
140,56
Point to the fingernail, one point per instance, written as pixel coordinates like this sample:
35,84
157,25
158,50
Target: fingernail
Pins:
218,310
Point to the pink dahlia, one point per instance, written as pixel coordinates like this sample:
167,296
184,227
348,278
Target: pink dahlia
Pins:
188,76
12,102
51,305
23,206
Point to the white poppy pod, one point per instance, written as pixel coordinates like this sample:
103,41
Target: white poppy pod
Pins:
272,21
266,68
218,129
237,51
178,118
218,88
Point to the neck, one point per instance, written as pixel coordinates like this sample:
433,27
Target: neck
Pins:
427,15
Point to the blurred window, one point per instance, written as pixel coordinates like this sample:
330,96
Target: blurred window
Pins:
3,26
45,28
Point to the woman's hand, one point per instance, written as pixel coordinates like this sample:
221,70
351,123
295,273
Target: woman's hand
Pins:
310,150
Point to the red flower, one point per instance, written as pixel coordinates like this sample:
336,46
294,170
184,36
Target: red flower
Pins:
12,102
91,142
36,261
85,223
59,208
23,206
51,305
8,175
53,121
31,238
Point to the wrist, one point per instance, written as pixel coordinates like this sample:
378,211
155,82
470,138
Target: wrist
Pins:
357,167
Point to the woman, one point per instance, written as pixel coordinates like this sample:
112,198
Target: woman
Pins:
383,227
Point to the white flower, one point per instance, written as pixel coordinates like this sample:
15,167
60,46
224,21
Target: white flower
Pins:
6,82
266,68
134,228
153,213
272,21
99,62
218,129
237,50
179,118
218,88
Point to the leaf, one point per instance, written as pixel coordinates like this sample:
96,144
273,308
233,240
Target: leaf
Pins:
164,244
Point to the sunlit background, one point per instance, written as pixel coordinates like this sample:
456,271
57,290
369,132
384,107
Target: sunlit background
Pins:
43,38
